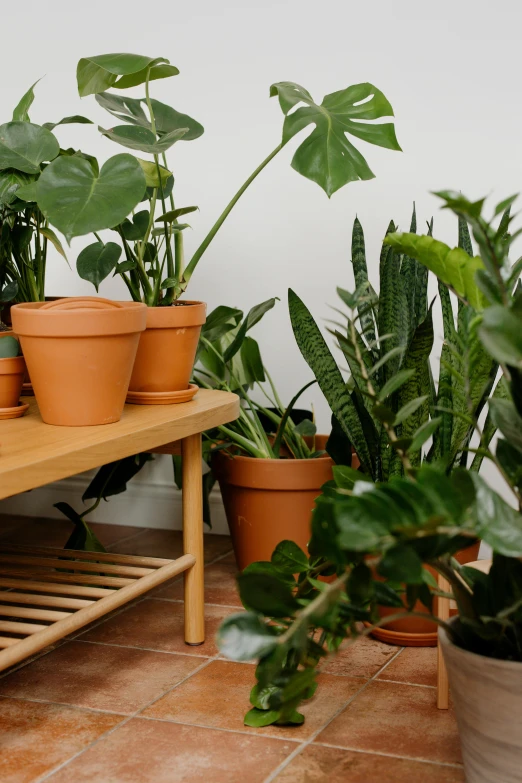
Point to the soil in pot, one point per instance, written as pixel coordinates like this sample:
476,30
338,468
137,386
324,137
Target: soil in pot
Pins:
487,696
167,349
415,631
269,500
79,353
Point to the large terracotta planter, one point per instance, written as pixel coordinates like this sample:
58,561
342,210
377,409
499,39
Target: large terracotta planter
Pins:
167,348
416,631
487,695
269,500
79,354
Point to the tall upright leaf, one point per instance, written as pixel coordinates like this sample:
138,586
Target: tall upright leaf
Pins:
393,310
360,273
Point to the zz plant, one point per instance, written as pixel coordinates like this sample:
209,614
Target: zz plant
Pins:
421,514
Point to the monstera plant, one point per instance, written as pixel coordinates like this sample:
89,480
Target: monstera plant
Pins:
154,267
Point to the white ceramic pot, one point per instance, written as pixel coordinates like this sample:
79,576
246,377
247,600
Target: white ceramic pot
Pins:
487,695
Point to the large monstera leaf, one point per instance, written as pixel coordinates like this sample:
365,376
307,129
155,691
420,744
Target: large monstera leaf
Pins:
97,74
166,118
77,199
24,146
326,156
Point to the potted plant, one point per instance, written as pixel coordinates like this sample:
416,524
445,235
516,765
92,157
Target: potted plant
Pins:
153,267
12,369
421,517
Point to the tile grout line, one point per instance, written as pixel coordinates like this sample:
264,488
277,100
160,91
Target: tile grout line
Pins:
272,776
122,723
390,755
217,728
143,649
124,540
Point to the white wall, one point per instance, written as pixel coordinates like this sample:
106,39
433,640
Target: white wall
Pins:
450,69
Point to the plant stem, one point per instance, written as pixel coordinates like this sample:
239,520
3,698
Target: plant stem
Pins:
221,219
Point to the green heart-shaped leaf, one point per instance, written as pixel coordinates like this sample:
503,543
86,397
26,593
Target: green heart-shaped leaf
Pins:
77,201
23,146
21,112
326,156
97,261
11,182
97,74
142,139
154,175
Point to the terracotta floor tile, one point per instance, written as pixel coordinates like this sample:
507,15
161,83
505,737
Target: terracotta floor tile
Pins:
116,679
157,625
220,586
146,751
402,720
168,543
55,532
364,658
218,696
317,764
37,737
417,665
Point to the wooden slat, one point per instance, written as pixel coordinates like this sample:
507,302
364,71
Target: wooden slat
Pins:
65,589
73,565
28,613
34,454
8,641
26,628
103,557
54,576
51,633
46,600
443,611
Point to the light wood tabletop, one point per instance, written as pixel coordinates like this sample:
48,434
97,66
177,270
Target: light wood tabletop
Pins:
33,454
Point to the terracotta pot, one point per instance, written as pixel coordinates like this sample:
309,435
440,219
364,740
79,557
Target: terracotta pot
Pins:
79,353
487,695
11,378
269,500
415,631
167,348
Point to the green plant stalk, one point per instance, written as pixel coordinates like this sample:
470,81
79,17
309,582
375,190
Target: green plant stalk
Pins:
221,219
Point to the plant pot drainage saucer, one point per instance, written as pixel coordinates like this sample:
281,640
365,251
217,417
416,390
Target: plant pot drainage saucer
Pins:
404,638
14,413
162,398
27,389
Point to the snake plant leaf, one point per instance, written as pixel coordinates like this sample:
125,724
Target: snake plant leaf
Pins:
154,175
74,119
97,74
21,111
24,146
501,335
326,156
77,201
142,139
360,273
443,438
393,310
319,358
97,261
453,267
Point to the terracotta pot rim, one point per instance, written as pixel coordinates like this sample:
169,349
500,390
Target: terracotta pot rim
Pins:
34,319
499,662
267,461
182,314
12,365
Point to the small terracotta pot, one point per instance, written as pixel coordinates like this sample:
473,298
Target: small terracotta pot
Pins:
11,378
487,695
167,348
415,631
269,500
79,353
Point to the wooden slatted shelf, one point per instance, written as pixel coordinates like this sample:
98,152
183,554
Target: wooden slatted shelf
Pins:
47,593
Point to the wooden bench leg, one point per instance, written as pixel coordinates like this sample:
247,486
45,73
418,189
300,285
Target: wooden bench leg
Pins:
442,674
192,498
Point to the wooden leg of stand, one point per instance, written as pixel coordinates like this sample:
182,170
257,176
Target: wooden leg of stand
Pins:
442,674
193,539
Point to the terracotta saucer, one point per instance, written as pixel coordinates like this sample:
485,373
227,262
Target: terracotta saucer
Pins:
27,389
162,398
14,413
404,639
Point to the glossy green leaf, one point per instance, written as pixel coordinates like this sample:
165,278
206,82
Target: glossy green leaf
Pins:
11,183
501,335
82,537
256,718
75,119
289,557
409,408
258,311
24,146
137,228
77,201
154,175
142,139
401,564
424,432
166,118
507,419
395,383
454,267
49,234
21,112
252,362
124,108
174,214
97,261
326,156
97,74
9,347
244,636
498,524
266,594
